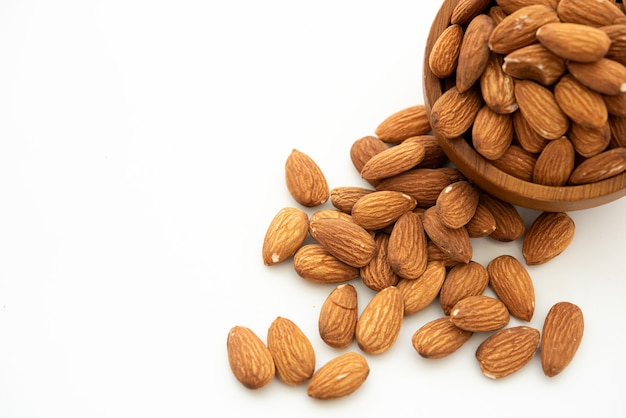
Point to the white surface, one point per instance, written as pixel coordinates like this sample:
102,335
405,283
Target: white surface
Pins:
142,154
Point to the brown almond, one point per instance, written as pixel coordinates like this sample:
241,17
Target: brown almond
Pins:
394,160
379,324
518,28
526,136
285,235
561,336
305,180
378,273
492,133
600,167
315,264
612,81
439,338
507,351
510,6
617,49
462,280
513,285
616,104
346,240
381,208
437,254
344,198
497,87
329,213
339,377
474,52
597,13
455,242
479,314
423,184
403,124
482,223
534,62
617,125
291,350
434,156
548,236
555,163
338,316
250,360
581,104
454,112
540,109
407,251
467,10
497,13
587,141
509,223
517,162
421,292
365,148
574,41
457,204
444,54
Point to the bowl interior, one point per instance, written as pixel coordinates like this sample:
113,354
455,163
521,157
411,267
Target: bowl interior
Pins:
495,181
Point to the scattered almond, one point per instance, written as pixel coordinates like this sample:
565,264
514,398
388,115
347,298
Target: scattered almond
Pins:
379,324
250,360
513,285
561,336
339,377
439,338
548,236
291,350
507,351
338,316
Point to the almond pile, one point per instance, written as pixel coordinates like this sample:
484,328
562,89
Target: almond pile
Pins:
537,87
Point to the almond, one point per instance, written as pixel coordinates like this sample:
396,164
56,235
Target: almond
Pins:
338,316
474,52
462,280
617,49
616,104
526,136
285,234
455,242
540,109
379,324
497,13
437,254
329,213
339,377
492,133
518,28
378,273
365,148
507,351
381,208
555,163
513,285
394,160
403,124
454,111
305,180
482,223
434,156
421,292
600,167
250,360
597,13
510,6
407,252
605,76
617,125
534,62
588,142
497,87
344,198
574,41
509,223
517,162
457,204
346,240
581,104
548,236
444,54
467,10
423,184
315,264
291,350
439,338
561,336
479,314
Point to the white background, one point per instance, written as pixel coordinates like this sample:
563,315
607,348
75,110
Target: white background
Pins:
142,149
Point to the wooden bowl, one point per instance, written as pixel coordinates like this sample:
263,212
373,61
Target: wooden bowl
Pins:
498,183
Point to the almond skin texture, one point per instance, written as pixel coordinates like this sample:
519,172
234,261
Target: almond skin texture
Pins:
509,6
497,87
344,198
365,148
462,280
534,62
540,109
379,325
597,13
513,285
548,236
492,133
421,292
305,180
457,204
518,28
407,252
346,240
291,350
394,160
555,163
378,273
507,351
581,104
466,11
561,336
482,223
574,41
612,81
338,316
479,314
517,162
455,242
339,377
599,167
454,111
250,360
509,223
403,124
439,338
315,264
474,52
444,55
423,184
285,235
381,208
